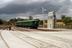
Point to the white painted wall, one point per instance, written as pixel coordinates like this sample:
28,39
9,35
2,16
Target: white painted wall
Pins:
50,23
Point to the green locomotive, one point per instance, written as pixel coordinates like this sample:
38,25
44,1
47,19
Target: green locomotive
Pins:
28,23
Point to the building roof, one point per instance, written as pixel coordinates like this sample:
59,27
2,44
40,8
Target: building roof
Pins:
59,20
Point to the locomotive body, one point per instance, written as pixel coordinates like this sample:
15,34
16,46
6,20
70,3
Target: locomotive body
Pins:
28,23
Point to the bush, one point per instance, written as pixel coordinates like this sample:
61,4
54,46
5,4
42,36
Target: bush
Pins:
1,21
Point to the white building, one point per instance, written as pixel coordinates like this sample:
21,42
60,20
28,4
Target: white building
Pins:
50,21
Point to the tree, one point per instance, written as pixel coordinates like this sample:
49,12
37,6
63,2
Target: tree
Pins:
63,17
66,20
1,21
12,21
30,17
41,22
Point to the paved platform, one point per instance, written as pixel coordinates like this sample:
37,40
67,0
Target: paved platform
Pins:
55,29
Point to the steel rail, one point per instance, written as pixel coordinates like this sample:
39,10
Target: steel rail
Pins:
4,40
40,42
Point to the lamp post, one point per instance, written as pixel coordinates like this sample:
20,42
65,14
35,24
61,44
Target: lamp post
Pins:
43,11
54,15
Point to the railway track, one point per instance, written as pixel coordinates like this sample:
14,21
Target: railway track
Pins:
13,43
38,43
66,41
4,40
35,42
25,29
36,30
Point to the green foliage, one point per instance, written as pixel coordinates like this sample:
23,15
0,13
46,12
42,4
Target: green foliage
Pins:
1,21
41,22
13,20
66,20
63,17
30,17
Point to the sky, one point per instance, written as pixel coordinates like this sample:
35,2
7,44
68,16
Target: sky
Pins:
16,8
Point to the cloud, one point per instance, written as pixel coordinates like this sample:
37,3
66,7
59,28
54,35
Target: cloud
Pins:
65,7
28,1
3,3
34,7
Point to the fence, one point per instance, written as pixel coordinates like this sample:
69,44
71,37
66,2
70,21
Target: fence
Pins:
68,26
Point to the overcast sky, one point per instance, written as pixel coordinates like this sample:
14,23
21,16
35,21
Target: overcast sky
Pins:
13,8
